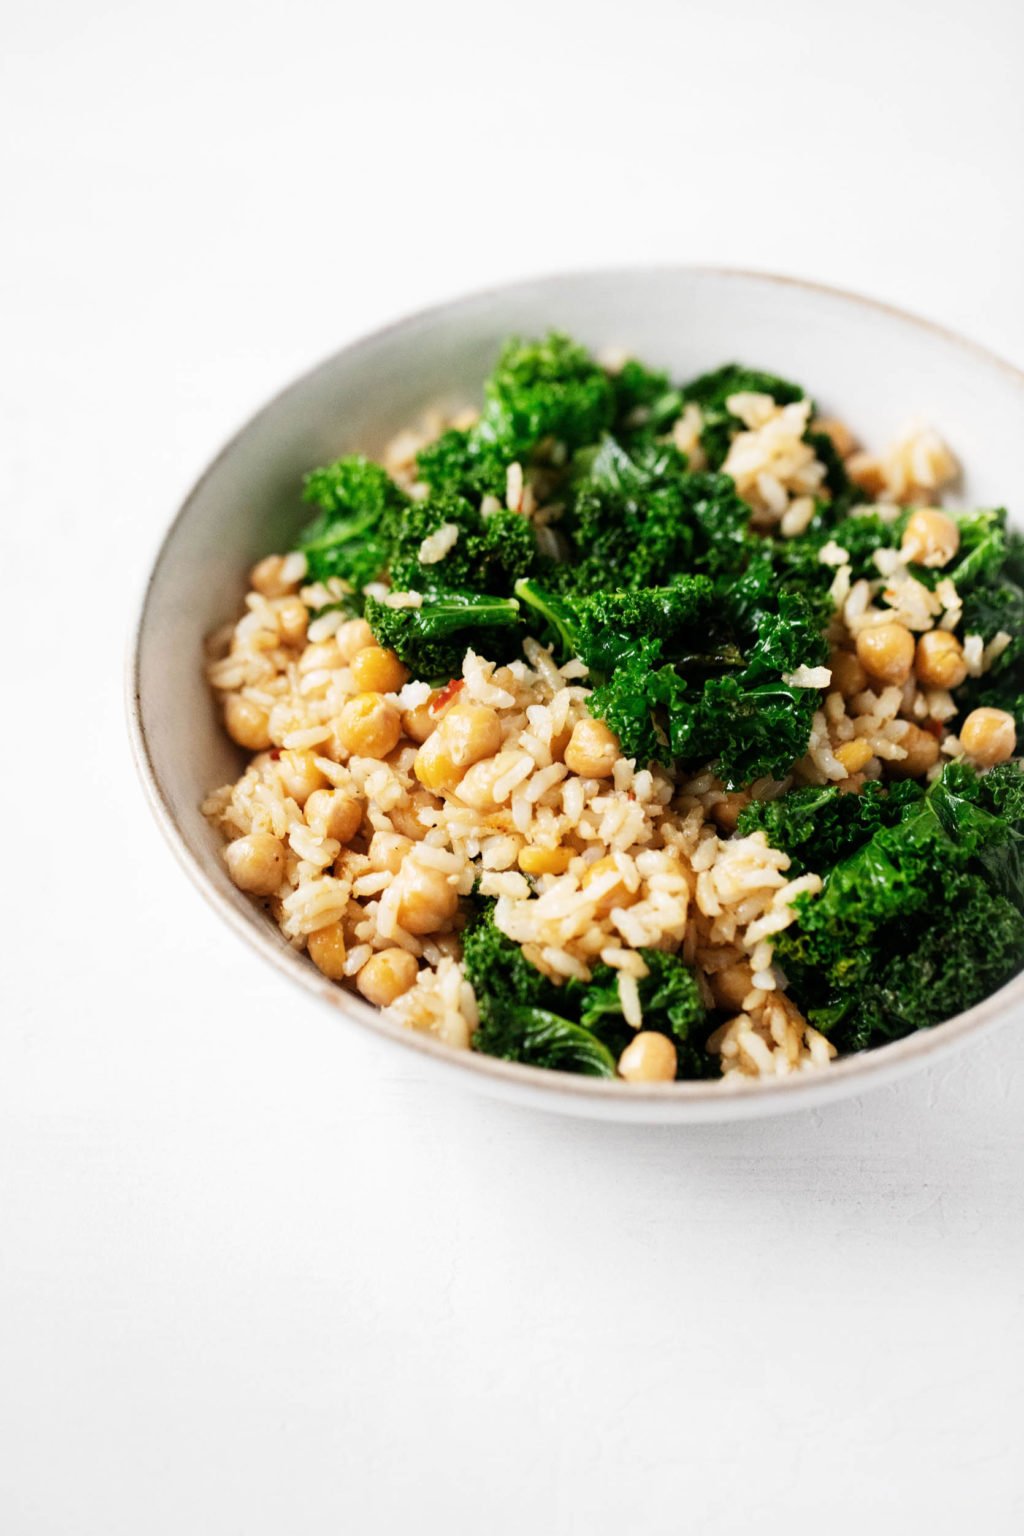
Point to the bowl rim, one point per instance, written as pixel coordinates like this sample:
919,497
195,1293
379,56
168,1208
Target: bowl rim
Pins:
542,1084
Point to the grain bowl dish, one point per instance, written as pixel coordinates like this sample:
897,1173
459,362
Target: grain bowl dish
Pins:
637,729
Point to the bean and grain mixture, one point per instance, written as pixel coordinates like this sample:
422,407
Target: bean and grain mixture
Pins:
637,729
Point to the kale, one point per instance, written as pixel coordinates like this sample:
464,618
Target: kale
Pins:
921,921
488,555
432,640
578,1027
605,628
712,390
983,548
539,390
818,827
646,403
350,539
669,999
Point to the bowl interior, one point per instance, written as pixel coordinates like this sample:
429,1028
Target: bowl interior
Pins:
871,366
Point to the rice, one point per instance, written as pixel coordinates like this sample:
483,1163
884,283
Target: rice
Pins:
636,859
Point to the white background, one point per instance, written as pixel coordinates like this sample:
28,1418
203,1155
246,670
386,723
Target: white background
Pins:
256,1275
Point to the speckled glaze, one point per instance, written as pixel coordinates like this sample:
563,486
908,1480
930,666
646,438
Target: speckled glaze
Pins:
872,365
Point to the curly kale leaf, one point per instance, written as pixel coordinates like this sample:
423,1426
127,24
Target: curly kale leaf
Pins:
646,402
432,640
923,920
488,555
671,1004
519,1009
818,827
350,539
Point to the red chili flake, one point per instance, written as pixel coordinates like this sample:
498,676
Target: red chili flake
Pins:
935,727
441,696
275,753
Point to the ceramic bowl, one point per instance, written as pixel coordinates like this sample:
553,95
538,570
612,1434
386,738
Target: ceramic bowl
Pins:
868,363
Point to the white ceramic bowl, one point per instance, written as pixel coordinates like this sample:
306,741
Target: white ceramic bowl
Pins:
873,366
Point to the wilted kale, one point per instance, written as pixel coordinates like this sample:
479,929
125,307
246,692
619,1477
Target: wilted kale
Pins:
646,402
539,390
488,555
359,504
432,640
922,921
818,827
578,1027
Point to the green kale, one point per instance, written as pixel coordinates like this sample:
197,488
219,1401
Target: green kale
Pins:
818,827
646,403
350,538
489,554
462,463
671,1004
605,628
983,548
432,640
922,920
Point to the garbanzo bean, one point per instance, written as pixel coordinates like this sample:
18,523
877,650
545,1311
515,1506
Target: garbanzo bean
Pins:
725,813
649,1057
922,751
427,899
545,861
368,726
334,813
730,986
467,734
256,863
593,749
266,577
886,652
930,538
419,723
386,975
246,723
940,660
300,775
618,894
378,671
327,950
406,818
478,784
989,736
848,676
353,637
388,850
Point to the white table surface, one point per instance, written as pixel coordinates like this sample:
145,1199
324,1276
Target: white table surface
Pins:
256,1275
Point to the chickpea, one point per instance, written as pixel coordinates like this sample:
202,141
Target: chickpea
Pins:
648,1058
419,723
386,975
353,637
865,470
388,850
292,619
930,538
593,749
256,863
267,577
545,861
940,660
618,894
368,726
327,950
730,986
427,899
247,723
725,813
478,786
886,652
848,676
989,736
922,751
334,813
375,670
854,756
467,734
300,775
